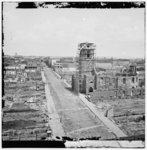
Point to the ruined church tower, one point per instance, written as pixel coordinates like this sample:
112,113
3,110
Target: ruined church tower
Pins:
86,54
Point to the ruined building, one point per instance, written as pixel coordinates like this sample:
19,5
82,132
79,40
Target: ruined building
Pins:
85,68
107,84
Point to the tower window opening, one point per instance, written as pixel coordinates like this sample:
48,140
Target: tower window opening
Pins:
124,80
91,81
90,89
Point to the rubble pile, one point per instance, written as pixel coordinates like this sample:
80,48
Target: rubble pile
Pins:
25,111
129,115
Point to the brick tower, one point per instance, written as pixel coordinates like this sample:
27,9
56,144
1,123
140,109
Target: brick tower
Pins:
86,53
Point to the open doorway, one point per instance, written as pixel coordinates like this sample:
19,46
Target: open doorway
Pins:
90,89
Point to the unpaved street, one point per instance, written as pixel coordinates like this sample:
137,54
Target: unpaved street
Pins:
77,121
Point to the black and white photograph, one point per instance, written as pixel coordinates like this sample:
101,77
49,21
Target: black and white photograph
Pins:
73,74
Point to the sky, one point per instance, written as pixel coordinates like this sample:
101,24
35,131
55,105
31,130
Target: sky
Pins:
57,32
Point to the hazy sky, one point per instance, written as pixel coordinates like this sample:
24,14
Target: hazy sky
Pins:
57,32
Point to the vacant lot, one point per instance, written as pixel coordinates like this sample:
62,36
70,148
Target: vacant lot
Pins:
129,115
25,116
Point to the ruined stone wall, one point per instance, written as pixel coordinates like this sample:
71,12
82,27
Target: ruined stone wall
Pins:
75,84
141,80
126,93
89,84
105,82
128,81
111,82
86,66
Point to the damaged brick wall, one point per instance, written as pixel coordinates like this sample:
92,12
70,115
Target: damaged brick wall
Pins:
75,84
88,85
106,82
118,94
128,81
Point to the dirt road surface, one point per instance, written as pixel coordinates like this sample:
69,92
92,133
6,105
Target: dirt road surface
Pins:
54,119
77,121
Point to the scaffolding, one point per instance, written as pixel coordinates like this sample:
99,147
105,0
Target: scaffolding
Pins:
86,54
